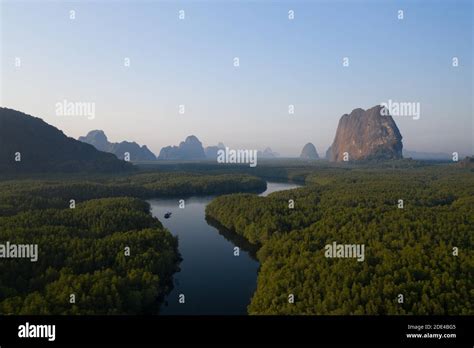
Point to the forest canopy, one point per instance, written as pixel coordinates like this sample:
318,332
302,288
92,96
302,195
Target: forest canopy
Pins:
99,249
82,252
420,248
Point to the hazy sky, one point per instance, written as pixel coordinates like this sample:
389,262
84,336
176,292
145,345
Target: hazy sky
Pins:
282,62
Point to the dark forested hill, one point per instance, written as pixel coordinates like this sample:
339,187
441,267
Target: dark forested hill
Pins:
28,144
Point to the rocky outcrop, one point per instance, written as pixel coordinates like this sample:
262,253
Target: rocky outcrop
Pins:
98,139
309,152
190,149
364,135
137,152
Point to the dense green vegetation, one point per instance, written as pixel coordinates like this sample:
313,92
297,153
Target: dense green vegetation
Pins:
408,251
82,250
28,194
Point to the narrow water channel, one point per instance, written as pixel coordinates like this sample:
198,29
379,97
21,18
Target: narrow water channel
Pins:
212,279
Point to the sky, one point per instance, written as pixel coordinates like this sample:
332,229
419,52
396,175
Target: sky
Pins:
282,62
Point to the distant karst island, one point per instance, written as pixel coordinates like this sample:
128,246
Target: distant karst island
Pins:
98,139
309,152
365,135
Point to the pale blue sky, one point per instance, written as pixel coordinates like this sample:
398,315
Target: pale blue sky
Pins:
282,62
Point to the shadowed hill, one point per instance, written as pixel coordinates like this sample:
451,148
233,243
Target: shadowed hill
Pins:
28,144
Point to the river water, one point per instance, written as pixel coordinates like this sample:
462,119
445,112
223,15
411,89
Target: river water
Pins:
212,279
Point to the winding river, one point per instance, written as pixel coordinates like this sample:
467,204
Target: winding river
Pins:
212,279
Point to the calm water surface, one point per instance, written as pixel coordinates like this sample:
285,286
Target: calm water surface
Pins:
212,279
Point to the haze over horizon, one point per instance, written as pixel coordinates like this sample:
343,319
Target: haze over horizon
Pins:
190,62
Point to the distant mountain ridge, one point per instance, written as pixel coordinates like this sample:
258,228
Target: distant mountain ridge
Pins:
212,151
98,139
28,144
189,149
268,153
